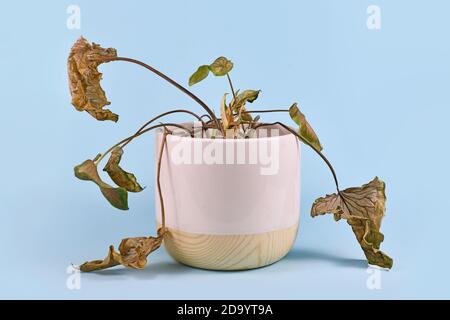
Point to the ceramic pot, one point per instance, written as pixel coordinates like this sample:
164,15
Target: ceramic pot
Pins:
230,204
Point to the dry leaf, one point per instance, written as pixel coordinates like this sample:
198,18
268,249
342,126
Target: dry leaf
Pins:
226,113
133,253
118,175
84,78
118,197
363,208
112,259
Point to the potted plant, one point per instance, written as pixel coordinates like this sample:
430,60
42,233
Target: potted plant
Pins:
228,186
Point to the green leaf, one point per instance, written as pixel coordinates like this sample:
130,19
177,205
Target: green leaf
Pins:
305,131
118,175
363,208
201,73
245,116
243,97
117,197
248,95
221,66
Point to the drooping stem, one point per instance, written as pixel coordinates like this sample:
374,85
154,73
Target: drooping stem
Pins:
308,144
328,163
231,86
126,140
165,114
171,81
129,139
158,180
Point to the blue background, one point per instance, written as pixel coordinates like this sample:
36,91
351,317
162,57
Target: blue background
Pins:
378,99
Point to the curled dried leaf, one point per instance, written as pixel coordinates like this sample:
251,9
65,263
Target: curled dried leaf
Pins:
117,197
226,113
133,253
84,78
305,131
118,175
238,103
363,208
201,73
111,260
221,66
247,96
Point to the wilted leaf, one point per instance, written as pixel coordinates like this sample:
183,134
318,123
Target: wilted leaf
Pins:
221,66
84,78
117,197
226,113
363,208
118,175
133,253
112,259
238,104
305,131
245,116
201,73
248,96
243,97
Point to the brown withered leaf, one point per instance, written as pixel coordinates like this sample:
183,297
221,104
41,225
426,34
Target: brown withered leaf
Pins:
112,259
118,175
226,113
117,197
363,208
84,79
133,253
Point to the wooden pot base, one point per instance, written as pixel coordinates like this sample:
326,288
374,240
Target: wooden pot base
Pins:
229,252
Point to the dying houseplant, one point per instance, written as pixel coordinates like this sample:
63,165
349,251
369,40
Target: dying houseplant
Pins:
212,229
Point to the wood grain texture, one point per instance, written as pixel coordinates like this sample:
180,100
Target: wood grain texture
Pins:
229,252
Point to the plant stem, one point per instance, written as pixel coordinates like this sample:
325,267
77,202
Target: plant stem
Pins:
165,114
205,115
158,180
231,86
126,140
308,144
171,81
266,111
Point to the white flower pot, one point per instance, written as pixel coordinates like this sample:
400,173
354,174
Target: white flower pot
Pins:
230,214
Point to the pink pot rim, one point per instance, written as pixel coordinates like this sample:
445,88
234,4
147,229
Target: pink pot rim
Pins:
284,135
